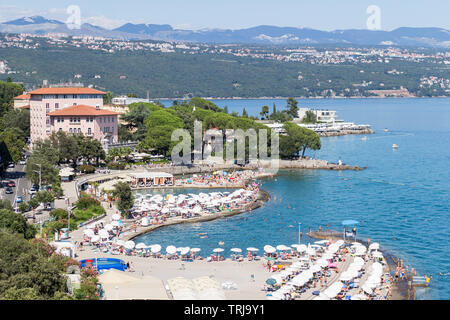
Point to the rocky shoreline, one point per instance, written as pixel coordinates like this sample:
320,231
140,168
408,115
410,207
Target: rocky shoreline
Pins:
345,132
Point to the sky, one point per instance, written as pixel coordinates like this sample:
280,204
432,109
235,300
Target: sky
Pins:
237,14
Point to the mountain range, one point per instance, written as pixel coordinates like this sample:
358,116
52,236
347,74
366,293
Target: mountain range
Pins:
267,35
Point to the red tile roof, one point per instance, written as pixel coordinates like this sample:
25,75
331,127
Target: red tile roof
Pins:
23,97
82,110
64,90
25,107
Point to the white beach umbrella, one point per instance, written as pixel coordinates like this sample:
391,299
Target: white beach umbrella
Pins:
310,251
316,268
339,243
196,250
377,254
115,216
367,289
109,227
115,223
359,261
322,296
345,276
374,246
251,249
217,250
322,262
120,243
103,234
327,256
321,242
285,273
298,281
129,244
301,248
171,249
89,232
185,250
269,249
91,226
155,248
95,238
141,245
236,250
282,247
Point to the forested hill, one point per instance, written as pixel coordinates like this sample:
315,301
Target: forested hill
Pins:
176,74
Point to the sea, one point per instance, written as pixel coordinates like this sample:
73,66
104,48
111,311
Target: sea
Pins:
401,199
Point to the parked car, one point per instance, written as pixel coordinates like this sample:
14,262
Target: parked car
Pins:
11,184
9,190
19,199
33,190
23,162
11,165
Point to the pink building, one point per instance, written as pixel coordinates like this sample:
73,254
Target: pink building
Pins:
92,122
74,110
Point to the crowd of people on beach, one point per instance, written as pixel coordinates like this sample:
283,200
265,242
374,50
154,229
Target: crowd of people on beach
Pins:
319,275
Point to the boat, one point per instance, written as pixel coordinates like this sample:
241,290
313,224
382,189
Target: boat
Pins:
386,130
364,138
394,146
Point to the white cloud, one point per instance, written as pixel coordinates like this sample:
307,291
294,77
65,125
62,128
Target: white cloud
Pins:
104,22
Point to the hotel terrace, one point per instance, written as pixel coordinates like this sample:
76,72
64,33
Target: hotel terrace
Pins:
73,110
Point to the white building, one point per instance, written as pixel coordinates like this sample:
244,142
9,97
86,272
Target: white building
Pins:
321,114
125,100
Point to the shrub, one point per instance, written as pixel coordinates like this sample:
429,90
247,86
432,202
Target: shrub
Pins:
116,166
86,168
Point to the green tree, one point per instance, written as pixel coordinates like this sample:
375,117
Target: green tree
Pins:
25,264
107,98
297,139
292,106
204,104
14,222
49,174
8,90
264,112
160,125
310,117
17,118
244,113
122,191
12,144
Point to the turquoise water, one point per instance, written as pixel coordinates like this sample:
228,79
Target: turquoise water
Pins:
401,199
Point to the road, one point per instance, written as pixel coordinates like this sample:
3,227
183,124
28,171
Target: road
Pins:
16,174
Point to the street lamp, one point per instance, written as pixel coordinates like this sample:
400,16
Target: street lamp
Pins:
299,232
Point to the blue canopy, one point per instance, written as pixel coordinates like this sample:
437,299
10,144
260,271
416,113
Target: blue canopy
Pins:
349,222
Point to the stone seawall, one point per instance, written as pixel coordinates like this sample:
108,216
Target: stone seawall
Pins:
345,132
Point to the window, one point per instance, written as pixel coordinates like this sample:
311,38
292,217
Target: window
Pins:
56,105
47,105
70,130
89,131
79,130
74,103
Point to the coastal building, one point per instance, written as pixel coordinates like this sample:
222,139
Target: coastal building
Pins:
93,122
322,115
73,110
149,179
125,100
22,101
